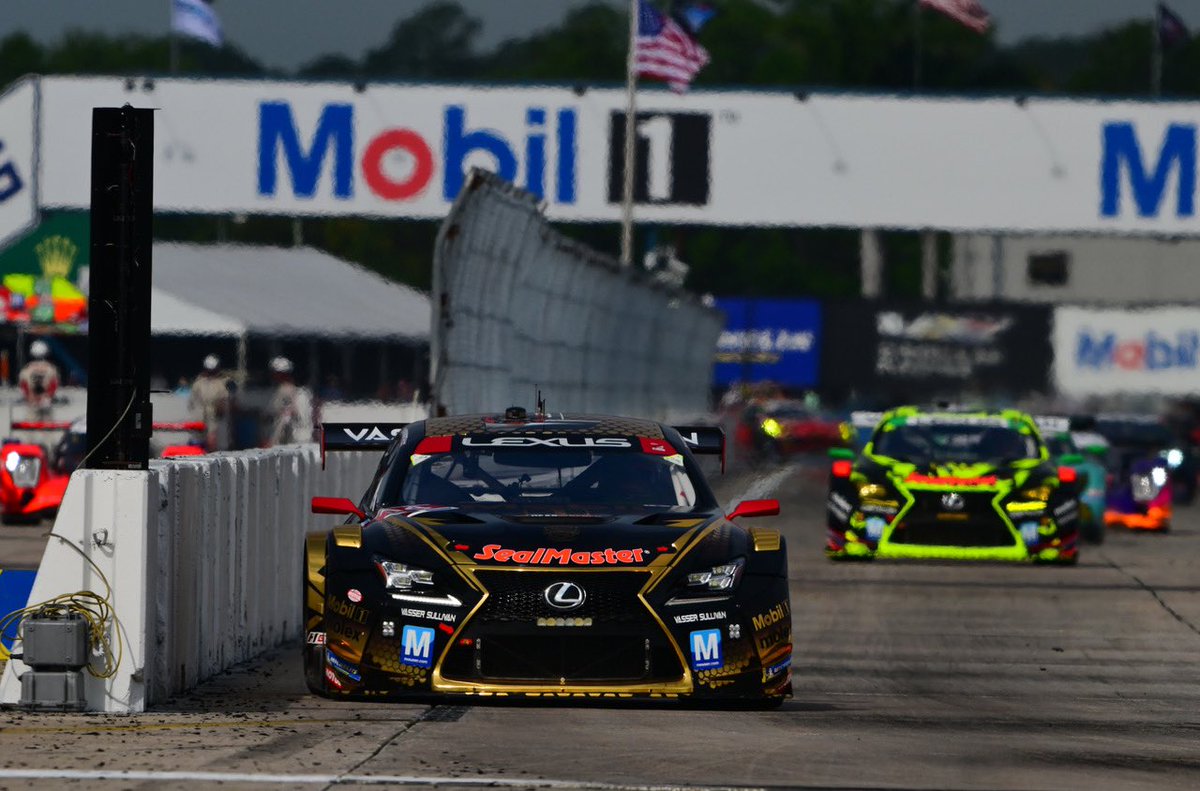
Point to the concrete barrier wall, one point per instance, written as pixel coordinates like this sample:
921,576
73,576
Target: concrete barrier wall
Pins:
204,557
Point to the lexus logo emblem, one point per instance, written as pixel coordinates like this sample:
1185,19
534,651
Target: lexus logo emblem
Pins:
953,501
565,596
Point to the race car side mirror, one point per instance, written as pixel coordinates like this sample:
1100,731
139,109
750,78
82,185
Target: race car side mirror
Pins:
336,505
755,508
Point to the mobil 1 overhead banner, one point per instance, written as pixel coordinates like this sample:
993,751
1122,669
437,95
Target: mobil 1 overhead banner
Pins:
769,340
1100,352
889,352
740,158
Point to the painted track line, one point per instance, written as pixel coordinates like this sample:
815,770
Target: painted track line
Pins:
340,779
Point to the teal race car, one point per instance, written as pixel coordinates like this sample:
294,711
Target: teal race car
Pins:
1085,453
950,485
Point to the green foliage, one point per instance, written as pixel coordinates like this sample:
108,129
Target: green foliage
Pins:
802,45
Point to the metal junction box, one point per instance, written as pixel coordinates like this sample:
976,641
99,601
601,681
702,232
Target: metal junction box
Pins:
55,643
53,691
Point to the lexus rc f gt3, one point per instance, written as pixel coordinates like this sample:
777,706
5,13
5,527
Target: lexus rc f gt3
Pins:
515,555
952,485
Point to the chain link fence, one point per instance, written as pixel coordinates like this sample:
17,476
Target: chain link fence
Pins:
519,307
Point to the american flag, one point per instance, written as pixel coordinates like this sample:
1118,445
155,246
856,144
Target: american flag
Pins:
665,51
968,12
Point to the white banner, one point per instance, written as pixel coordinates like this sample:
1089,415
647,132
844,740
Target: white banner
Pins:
18,195
991,165
1100,352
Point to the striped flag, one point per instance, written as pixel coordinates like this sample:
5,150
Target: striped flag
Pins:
196,19
967,12
1171,28
665,51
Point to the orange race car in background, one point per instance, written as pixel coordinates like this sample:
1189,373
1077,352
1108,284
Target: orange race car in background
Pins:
34,478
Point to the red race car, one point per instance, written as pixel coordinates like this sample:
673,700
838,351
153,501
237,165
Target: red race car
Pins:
781,428
33,478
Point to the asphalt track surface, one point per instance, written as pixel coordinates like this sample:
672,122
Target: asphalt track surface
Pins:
907,676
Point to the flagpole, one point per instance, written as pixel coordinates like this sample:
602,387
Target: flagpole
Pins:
918,44
630,137
174,38
1156,59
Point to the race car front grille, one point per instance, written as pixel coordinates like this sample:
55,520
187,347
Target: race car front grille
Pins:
579,658
517,637
515,597
930,523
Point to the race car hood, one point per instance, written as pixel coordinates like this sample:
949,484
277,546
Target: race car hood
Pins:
550,540
955,474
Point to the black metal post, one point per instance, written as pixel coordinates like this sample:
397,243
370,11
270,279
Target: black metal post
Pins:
119,411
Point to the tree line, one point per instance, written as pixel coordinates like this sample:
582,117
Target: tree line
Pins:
800,44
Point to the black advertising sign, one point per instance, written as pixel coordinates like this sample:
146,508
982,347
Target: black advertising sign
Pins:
895,351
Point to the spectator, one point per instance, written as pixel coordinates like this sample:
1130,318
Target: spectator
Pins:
290,410
211,400
39,382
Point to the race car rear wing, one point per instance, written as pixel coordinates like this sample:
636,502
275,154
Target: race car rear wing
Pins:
704,440
1052,424
864,419
357,436
377,436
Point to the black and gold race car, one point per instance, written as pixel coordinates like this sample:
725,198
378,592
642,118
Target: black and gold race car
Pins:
953,485
517,555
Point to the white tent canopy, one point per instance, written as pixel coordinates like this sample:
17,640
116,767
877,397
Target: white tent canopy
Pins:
172,316
245,290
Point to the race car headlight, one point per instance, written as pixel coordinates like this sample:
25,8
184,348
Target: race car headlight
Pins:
24,470
872,491
1042,493
718,578
1159,476
772,428
400,577
1174,457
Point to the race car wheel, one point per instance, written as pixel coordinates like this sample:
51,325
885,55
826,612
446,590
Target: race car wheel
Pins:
1093,532
313,653
314,668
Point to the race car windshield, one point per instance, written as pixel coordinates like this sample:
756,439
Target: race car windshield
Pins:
948,442
591,478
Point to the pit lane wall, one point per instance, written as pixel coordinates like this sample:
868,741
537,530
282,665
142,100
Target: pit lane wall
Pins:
518,307
203,556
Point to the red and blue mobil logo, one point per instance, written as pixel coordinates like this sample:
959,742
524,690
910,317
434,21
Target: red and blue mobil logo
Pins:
342,154
1149,351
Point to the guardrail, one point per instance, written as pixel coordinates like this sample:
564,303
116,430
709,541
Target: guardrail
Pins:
203,559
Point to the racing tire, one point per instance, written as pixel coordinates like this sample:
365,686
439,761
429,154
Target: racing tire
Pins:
1092,532
313,655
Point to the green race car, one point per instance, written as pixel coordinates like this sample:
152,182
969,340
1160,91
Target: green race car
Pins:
954,486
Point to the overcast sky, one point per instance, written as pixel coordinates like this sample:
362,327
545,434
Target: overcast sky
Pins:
288,33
